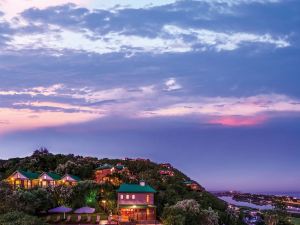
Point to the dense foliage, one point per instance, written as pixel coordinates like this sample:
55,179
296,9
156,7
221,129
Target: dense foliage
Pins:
19,218
189,212
171,190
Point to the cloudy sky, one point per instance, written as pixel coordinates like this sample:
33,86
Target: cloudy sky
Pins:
212,86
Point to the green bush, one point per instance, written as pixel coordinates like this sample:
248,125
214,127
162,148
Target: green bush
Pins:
19,218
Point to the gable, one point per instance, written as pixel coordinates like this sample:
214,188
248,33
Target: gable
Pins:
67,177
18,175
45,176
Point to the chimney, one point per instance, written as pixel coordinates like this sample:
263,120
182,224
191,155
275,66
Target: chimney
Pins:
142,183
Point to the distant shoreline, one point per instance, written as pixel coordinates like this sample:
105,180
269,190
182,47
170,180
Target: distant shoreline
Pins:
271,193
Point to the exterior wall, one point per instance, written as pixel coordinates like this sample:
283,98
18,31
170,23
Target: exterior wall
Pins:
136,199
45,181
101,174
147,214
22,183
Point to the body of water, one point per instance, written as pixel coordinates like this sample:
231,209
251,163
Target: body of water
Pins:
246,204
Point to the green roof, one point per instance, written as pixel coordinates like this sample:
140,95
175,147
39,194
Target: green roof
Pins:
29,175
119,167
54,176
105,166
188,182
75,177
135,188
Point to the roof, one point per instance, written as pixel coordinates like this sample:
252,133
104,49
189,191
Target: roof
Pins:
75,177
188,182
119,167
104,166
54,176
29,175
135,188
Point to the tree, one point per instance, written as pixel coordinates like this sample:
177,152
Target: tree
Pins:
189,212
32,201
61,195
5,193
85,193
209,217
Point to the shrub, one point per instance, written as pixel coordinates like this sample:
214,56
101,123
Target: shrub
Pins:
19,218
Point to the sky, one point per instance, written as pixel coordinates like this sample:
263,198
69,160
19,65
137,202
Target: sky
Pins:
211,86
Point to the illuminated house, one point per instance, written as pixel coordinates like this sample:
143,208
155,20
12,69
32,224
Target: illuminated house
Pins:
23,179
193,185
49,179
136,202
166,172
69,180
27,180
166,165
102,173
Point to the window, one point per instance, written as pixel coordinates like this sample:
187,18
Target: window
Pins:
148,198
127,196
133,197
121,196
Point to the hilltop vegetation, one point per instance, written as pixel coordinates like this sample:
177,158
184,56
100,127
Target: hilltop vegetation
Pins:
171,190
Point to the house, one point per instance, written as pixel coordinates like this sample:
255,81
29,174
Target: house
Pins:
102,173
136,202
47,179
69,179
27,179
166,165
166,172
23,179
193,185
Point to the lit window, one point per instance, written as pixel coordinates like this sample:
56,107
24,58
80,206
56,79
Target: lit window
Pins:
121,196
148,198
133,197
127,196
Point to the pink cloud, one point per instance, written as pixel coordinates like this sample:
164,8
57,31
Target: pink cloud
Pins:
238,121
26,119
13,7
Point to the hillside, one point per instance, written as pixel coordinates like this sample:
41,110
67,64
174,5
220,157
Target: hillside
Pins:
170,189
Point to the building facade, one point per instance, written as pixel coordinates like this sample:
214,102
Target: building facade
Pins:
49,179
23,179
28,180
102,173
136,203
69,180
